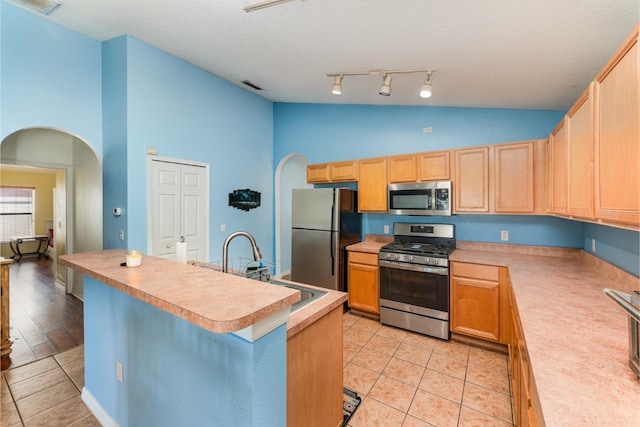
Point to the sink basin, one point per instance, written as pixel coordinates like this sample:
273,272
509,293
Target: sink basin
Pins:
308,295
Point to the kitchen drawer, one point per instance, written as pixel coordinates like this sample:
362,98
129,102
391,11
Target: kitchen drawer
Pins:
477,271
363,258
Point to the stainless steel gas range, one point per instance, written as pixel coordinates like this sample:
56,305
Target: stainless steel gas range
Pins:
414,278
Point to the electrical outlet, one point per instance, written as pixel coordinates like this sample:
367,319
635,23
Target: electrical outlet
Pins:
504,235
427,130
223,227
593,245
121,234
119,375
386,229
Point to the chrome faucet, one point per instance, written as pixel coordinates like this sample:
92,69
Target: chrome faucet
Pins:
257,256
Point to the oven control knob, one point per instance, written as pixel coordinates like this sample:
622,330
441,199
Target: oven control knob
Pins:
410,259
395,257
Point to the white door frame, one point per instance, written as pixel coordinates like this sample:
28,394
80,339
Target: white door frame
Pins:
151,158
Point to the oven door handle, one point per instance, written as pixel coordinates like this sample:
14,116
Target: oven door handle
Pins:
619,297
413,267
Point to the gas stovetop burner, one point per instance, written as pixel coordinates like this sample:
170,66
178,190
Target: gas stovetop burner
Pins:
425,244
418,248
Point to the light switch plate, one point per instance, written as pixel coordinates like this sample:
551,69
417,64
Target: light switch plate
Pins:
504,235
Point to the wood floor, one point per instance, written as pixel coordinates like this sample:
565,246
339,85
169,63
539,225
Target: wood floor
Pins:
44,319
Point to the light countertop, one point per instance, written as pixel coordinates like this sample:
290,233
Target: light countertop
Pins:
577,338
371,244
212,300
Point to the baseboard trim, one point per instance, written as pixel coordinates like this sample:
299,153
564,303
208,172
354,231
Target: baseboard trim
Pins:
101,415
478,342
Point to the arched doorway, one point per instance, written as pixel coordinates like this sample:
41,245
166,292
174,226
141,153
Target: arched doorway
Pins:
78,191
291,173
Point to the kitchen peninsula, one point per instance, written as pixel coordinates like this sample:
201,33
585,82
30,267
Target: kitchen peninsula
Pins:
174,344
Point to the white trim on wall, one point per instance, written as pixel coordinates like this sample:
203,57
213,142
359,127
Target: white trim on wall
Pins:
278,207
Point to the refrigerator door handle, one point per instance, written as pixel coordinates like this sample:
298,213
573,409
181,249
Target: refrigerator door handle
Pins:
332,241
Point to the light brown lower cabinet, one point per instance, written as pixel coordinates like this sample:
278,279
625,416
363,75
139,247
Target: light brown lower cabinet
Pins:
314,373
364,282
479,301
528,411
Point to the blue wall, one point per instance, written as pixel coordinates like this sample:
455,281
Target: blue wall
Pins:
188,113
114,133
175,373
327,133
523,230
51,77
617,246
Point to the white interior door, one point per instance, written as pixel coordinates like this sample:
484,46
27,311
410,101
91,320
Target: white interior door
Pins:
178,207
194,203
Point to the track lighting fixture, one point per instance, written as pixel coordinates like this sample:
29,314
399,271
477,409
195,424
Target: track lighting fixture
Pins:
336,89
426,90
385,89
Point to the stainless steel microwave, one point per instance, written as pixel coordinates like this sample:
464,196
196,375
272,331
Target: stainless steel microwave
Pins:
420,198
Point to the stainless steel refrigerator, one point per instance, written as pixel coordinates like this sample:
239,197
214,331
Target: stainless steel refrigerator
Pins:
324,221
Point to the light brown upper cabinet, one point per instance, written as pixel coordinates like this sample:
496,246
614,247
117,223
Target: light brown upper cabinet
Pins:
403,168
346,171
558,175
471,186
617,136
579,123
372,185
434,166
318,173
420,167
514,178
504,178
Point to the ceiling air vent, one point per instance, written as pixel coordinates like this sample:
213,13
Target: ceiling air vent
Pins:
43,6
251,85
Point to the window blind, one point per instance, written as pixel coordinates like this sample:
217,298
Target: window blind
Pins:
17,209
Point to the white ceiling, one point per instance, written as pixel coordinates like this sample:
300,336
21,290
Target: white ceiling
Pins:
519,54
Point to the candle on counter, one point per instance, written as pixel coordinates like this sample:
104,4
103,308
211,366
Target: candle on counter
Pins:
134,258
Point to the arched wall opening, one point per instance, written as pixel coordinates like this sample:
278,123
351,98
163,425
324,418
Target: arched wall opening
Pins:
77,195
291,173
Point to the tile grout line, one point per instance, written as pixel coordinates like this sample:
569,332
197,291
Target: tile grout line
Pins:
15,405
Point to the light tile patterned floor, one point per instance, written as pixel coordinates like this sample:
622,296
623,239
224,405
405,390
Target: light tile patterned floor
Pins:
410,380
46,393
404,379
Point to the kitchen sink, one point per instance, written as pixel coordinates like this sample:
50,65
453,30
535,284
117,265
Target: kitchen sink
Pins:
308,295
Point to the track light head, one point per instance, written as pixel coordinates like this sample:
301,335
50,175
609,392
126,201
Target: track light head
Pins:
336,89
385,89
426,90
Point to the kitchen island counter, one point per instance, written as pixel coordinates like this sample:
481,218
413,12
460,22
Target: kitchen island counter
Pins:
577,338
208,339
214,301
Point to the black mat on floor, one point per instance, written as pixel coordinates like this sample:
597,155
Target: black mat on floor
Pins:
350,404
